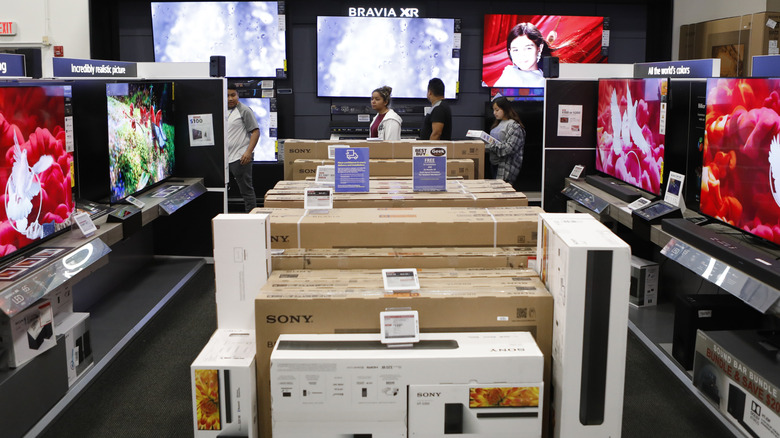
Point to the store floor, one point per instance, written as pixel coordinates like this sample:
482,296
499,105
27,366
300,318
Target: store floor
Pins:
145,392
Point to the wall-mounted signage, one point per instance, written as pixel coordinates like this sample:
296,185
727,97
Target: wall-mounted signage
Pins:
91,68
8,28
384,12
695,68
11,65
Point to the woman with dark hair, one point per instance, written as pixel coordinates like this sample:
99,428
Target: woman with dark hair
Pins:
506,154
387,123
525,46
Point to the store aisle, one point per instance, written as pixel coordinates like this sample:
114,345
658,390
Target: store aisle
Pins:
146,392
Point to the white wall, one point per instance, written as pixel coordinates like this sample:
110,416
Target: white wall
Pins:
64,22
695,11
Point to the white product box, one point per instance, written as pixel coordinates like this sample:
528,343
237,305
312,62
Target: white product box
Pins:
644,282
242,263
224,386
587,270
61,300
78,346
350,385
28,333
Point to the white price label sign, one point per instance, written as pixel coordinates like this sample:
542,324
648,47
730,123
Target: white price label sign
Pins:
316,198
138,203
400,326
400,279
85,223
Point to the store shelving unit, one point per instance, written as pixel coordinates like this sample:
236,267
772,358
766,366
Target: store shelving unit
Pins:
654,326
119,280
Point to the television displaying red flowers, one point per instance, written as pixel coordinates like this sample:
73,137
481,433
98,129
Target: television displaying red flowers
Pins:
140,136
740,182
631,129
36,157
513,45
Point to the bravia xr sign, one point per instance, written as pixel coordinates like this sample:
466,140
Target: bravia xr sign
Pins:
384,12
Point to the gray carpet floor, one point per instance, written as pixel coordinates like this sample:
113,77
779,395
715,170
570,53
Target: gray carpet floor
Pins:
145,392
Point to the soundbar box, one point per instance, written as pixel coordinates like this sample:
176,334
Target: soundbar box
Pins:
759,265
613,187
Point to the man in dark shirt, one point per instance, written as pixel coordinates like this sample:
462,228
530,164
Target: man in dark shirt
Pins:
438,123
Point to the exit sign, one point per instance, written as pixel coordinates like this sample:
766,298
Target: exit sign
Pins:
7,28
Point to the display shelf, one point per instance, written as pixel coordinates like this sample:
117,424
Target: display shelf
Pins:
116,320
654,325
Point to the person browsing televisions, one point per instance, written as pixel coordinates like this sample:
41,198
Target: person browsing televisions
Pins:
437,124
242,136
387,123
506,154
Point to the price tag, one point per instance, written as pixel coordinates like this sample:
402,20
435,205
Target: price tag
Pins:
639,203
136,202
399,326
317,198
577,171
400,279
332,150
85,223
326,175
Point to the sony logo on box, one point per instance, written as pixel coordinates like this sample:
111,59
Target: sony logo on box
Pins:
288,319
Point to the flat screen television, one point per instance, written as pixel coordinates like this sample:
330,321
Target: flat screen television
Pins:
140,136
741,159
36,159
356,55
250,35
631,130
572,39
265,150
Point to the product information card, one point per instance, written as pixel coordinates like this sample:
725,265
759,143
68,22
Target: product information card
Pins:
429,169
352,173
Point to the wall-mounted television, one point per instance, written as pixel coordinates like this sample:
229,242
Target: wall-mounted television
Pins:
35,164
514,63
249,34
265,150
631,130
741,161
140,135
356,55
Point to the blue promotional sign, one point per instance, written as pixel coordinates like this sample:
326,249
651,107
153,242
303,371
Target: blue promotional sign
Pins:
11,65
429,169
766,66
90,68
693,68
352,173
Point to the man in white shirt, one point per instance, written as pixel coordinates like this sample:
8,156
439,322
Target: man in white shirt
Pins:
242,136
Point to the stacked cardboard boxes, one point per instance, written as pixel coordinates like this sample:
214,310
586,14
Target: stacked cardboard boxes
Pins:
383,167
318,150
349,301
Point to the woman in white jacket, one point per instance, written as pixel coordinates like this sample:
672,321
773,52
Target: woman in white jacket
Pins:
387,123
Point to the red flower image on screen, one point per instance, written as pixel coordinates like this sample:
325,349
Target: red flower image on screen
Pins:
741,163
572,39
35,168
629,135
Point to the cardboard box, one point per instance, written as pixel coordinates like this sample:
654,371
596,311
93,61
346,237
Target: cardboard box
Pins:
242,262
74,330
62,300
295,149
401,185
587,270
283,308
399,227
303,168
644,282
738,372
734,40
405,200
28,333
337,385
224,400
388,258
